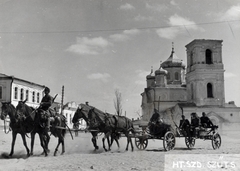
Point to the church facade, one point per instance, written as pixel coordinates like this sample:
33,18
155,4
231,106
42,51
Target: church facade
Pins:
175,88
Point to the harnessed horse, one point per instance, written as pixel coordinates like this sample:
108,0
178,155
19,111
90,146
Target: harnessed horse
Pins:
19,124
111,124
31,117
39,118
83,113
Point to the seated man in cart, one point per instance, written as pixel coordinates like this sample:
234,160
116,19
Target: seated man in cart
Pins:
185,126
155,123
205,121
195,124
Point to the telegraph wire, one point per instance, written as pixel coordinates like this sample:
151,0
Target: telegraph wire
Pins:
112,30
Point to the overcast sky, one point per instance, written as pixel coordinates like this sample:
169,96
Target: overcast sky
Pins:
94,47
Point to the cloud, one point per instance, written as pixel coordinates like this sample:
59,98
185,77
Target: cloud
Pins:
178,25
141,77
127,6
142,73
119,37
125,35
99,76
232,14
177,20
131,32
173,3
91,46
229,75
143,18
156,7
168,33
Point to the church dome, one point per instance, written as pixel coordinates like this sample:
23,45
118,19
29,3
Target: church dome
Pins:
151,75
173,61
161,71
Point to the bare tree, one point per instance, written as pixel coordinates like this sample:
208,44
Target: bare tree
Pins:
118,102
139,114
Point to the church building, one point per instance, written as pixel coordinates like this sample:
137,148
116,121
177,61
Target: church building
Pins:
175,88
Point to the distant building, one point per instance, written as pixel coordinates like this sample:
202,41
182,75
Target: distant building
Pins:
175,89
14,89
69,110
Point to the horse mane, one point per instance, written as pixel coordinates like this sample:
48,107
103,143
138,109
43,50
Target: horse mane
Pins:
101,116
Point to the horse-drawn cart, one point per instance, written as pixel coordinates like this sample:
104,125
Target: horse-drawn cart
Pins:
158,132
209,133
165,132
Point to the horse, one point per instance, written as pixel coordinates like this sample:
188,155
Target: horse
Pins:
31,117
15,124
83,113
111,124
58,128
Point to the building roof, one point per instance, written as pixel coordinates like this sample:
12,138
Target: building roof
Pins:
151,75
202,41
172,61
4,76
161,71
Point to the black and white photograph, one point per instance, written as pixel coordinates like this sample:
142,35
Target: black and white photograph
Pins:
119,85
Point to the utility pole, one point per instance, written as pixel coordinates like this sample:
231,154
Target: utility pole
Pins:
62,100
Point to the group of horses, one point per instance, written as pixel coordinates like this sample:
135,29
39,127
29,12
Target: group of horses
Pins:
25,119
112,126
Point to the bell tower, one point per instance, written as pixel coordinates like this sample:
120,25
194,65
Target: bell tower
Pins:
205,73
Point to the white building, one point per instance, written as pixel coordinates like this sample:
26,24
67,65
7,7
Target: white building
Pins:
14,89
175,88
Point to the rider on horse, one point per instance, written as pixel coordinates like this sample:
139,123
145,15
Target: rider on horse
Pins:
45,104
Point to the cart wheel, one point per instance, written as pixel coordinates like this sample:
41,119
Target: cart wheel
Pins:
169,141
141,143
216,141
190,142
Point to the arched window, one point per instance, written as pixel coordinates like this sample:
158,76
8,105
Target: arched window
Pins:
209,90
176,76
27,92
33,96
208,55
21,94
1,92
15,93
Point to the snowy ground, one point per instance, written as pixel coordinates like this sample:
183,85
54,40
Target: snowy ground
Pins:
80,156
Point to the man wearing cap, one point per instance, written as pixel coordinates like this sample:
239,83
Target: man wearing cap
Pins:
205,121
195,124
185,125
46,102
